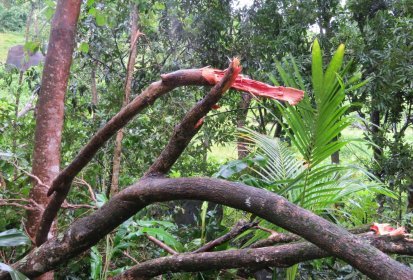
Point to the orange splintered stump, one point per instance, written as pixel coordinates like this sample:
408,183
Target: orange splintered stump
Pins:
199,123
235,64
387,229
257,88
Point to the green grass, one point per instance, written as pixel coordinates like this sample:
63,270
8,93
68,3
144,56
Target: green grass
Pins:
354,153
222,154
8,40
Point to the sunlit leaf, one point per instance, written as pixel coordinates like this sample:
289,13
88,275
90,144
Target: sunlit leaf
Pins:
13,237
14,274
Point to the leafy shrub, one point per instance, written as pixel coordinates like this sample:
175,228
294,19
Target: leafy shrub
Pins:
13,19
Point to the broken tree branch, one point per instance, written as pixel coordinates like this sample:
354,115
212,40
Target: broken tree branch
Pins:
203,76
29,105
180,139
87,231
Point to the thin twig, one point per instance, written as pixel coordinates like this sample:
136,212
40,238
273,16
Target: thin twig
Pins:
81,181
162,245
239,228
77,206
270,231
130,257
15,202
39,182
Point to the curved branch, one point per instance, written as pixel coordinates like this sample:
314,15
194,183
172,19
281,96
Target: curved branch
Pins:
86,232
258,258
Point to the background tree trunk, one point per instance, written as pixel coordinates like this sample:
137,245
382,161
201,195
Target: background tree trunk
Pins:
241,119
128,86
93,87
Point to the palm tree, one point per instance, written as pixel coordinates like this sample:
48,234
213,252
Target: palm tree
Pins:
314,127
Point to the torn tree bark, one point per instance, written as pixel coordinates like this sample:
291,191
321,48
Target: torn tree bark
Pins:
86,232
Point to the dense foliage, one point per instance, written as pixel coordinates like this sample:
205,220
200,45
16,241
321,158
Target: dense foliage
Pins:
12,19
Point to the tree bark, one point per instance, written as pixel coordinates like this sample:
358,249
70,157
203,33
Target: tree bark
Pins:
86,232
50,107
117,154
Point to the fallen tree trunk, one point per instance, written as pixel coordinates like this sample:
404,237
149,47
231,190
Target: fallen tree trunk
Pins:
257,258
86,232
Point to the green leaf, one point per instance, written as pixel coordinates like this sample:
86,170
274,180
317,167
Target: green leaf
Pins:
32,46
84,47
100,18
14,274
165,224
96,263
333,69
89,3
233,167
204,209
50,10
93,12
13,237
101,199
317,68
158,6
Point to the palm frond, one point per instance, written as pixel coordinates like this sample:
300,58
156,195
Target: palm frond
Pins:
281,163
